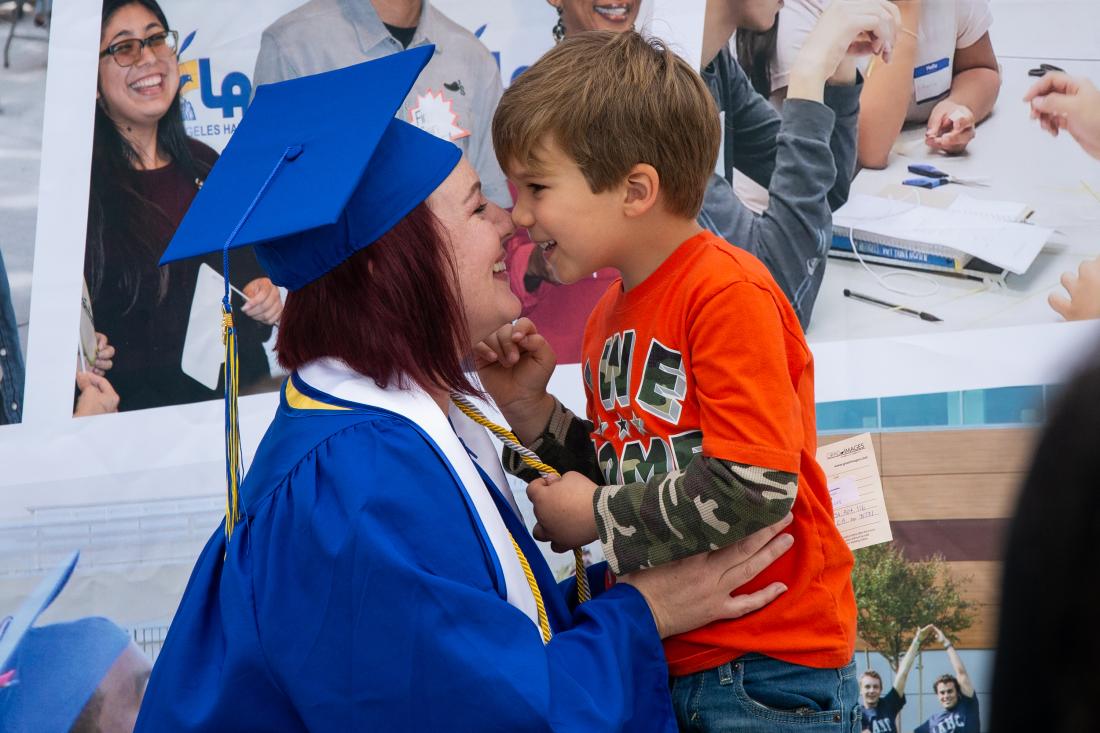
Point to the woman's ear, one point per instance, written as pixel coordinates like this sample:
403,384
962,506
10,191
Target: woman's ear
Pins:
642,186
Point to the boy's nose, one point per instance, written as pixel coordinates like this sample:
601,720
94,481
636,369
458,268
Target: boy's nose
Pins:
521,214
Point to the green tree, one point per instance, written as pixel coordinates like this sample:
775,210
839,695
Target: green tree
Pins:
895,596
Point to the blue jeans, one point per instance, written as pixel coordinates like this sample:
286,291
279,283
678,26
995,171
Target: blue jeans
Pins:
758,694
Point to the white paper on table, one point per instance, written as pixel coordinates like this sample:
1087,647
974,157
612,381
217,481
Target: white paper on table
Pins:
203,350
859,506
1007,211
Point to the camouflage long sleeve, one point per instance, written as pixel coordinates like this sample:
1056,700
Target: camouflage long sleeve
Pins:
710,504
565,444
707,505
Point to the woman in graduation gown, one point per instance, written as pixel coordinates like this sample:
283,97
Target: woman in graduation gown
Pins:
377,578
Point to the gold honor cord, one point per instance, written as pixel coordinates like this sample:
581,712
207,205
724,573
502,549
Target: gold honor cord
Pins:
540,607
531,459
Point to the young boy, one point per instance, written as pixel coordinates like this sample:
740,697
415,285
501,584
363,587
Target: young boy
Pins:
698,378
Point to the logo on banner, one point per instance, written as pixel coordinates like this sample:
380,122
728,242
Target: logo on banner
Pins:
435,113
223,99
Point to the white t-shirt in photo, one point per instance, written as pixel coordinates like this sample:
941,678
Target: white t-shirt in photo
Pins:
945,25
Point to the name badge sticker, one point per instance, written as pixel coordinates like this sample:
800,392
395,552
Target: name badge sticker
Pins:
932,80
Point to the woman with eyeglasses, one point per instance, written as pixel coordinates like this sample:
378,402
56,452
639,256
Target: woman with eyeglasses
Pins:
145,172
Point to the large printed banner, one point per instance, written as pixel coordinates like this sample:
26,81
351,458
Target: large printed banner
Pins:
139,491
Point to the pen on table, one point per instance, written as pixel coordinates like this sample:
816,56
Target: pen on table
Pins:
890,306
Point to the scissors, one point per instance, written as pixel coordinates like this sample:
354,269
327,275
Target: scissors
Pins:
1042,69
933,177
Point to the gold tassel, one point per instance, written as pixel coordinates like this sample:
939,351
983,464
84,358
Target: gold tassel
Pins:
233,458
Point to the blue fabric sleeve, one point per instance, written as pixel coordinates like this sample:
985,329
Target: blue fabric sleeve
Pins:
376,608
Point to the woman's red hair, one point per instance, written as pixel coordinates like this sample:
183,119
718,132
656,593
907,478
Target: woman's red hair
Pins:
389,311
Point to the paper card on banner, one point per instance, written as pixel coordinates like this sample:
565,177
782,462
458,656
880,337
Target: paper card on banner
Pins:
855,486
203,350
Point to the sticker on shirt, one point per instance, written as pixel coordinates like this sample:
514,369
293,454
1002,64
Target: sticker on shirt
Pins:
435,113
932,80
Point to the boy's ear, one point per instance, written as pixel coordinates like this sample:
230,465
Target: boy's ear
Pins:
642,186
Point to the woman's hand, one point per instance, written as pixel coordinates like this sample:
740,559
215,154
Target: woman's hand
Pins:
695,591
846,28
951,127
265,302
1061,102
563,510
515,364
104,355
97,396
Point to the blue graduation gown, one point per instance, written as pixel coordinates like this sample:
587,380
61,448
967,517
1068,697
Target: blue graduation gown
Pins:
361,592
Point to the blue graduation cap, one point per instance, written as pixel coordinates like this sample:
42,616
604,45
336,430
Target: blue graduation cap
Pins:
48,673
318,169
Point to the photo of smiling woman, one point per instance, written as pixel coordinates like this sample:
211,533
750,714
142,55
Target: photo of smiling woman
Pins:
137,348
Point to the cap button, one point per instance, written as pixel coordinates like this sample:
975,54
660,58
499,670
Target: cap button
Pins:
292,152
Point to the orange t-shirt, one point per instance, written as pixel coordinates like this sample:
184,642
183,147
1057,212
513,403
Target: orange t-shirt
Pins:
707,355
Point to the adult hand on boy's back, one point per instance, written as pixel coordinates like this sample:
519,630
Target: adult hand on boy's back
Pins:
564,511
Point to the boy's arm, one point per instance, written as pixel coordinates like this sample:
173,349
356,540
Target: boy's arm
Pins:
565,443
710,504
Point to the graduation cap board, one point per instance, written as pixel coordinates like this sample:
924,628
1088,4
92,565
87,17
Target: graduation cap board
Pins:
318,169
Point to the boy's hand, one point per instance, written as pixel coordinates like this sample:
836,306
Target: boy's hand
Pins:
563,508
515,364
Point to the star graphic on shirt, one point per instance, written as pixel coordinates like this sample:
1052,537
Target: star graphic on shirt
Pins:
624,428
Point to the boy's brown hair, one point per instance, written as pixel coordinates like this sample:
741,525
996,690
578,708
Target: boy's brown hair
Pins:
610,101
